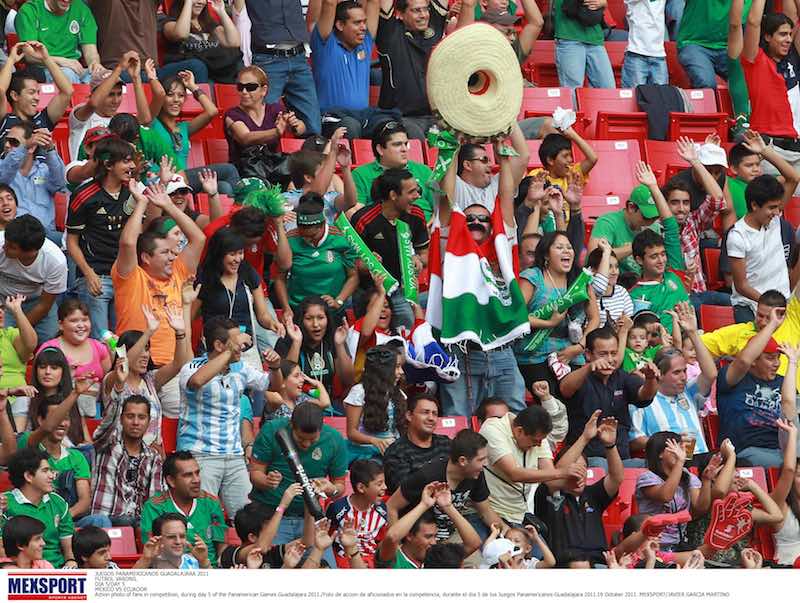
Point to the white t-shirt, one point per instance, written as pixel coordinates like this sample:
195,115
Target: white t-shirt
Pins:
765,262
78,129
646,27
48,272
468,194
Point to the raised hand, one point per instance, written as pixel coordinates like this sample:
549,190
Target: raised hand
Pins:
157,195
541,389
444,497
536,190
687,319
38,51
678,450
292,554
199,550
271,358
754,142
344,157
727,449
132,64
293,331
605,246
175,318
644,174
696,560
254,559
189,292
590,428
17,52
150,69
752,559
84,383
601,364
153,322
347,534
607,431
713,468
187,77
713,138
209,182
428,497
776,317
14,303
293,491
574,192
322,537
151,548
687,149
166,170
340,335
791,352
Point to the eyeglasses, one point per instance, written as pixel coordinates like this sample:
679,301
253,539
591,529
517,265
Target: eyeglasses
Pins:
420,10
13,142
249,86
483,219
484,160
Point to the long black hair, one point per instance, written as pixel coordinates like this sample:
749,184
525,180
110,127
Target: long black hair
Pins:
224,241
207,22
327,337
543,250
380,387
656,444
52,356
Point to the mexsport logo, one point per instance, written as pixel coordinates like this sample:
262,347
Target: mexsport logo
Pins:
61,586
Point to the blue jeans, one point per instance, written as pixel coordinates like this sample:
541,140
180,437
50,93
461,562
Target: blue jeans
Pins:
578,60
227,177
402,313
639,69
100,521
71,74
761,457
362,123
483,374
196,66
602,463
46,328
291,78
674,14
101,308
703,64
743,314
291,528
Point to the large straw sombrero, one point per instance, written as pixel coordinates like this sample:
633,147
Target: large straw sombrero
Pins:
474,82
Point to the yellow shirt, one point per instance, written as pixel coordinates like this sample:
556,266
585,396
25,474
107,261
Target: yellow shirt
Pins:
730,340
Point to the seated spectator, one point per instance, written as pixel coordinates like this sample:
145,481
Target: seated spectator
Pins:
211,387
376,407
33,496
192,33
32,167
230,287
184,498
786,494
580,49
445,555
127,471
318,345
526,538
92,548
418,446
365,509
106,98
408,540
166,547
68,32
177,133
21,90
390,147
675,407
79,171
149,272
600,385
702,39
88,357
464,475
645,58
17,344
613,300
35,267
408,30
573,511
182,196
24,543
755,248
282,403
491,407
751,396
668,487
322,453
712,156
323,263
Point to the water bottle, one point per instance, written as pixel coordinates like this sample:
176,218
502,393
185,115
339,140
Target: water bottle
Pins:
293,460
110,339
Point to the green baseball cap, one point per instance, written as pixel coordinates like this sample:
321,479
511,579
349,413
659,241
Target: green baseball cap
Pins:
245,186
642,198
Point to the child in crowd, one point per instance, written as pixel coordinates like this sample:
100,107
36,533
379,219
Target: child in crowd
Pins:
526,539
92,548
17,344
282,404
23,542
558,162
612,299
365,508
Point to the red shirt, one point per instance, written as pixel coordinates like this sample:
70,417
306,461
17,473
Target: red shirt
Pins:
770,111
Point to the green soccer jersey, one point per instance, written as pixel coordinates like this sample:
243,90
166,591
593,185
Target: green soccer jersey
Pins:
320,269
571,29
365,174
52,511
70,459
736,186
705,23
327,457
401,561
206,519
64,34
635,360
663,295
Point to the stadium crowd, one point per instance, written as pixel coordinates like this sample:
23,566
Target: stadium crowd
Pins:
233,245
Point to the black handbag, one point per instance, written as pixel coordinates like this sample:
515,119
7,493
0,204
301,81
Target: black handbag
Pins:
577,10
259,161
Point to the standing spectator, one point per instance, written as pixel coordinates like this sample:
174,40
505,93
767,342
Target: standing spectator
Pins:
149,272
32,477
184,497
755,248
127,471
17,344
390,147
408,30
68,31
242,21
645,58
33,266
600,385
211,387
97,213
32,166
580,50
279,35
418,446
192,33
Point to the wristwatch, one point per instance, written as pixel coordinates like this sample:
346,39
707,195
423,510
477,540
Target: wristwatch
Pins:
339,302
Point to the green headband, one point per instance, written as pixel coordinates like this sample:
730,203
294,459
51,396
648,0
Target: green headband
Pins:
310,219
168,225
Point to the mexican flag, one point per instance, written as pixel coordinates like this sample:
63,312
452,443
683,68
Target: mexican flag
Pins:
467,299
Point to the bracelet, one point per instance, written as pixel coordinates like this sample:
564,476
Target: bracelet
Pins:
179,336
197,92
339,302
610,447
68,560
354,553
279,509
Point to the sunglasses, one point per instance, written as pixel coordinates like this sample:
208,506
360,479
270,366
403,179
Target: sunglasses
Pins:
181,191
391,125
484,160
249,86
483,219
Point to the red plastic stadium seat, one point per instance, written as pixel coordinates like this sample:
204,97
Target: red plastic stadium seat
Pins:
169,434
616,54
618,10
791,211
773,475
61,140
660,155
704,119
338,423
543,101
613,114
757,474
624,504
714,317
374,95
594,474
290,145
216,150
60,201
724,101
540,68
415,152
47,92
197,155
595,206
92,424
362,151
201,201
226,96
123,546
613,174
450,426
714,279
677,75
711,431
232,538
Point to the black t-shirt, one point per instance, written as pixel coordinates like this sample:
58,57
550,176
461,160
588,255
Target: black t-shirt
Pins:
217,299
612,398
273,559
403,458
380,235
98,219
575,525
474,490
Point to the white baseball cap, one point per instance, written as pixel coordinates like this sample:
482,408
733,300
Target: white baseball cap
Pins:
496,549
177,183
711,154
